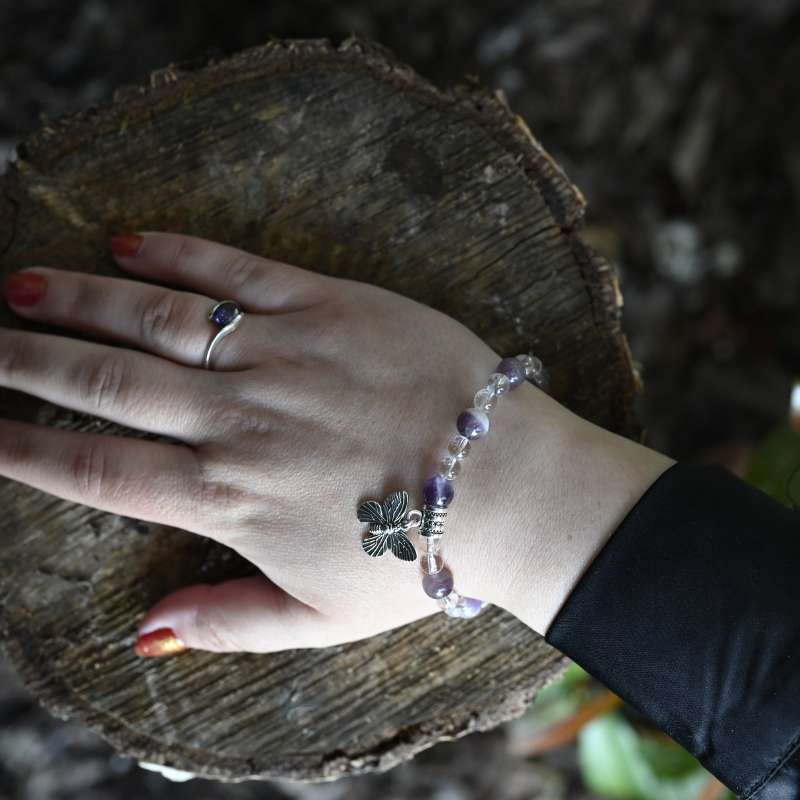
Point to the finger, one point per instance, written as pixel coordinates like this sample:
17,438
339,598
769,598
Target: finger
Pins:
250,615
164,322
151,481
130,388
220,271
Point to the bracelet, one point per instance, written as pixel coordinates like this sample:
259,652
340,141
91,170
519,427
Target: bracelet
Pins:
390,521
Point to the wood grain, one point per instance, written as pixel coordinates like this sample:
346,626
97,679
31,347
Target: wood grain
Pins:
342,160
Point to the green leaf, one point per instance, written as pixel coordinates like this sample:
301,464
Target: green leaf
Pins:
774,463
616,763
560,698
574,676
608,756
667,760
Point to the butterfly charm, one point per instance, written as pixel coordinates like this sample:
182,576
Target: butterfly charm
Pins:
387,527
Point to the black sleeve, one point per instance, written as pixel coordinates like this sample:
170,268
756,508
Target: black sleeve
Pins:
691,614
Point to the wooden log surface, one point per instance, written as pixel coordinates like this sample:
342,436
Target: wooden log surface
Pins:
342,160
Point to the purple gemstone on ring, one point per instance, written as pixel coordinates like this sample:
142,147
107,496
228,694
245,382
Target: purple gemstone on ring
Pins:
224,313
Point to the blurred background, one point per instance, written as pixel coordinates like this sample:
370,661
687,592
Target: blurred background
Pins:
680,123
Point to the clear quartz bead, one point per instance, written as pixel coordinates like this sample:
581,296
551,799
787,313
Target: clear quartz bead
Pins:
449,467
432,562
533,366
485,400
450,602
459,447
499,384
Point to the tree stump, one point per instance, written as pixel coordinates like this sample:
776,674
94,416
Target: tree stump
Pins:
342,160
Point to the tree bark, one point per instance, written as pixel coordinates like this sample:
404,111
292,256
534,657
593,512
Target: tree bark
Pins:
341,160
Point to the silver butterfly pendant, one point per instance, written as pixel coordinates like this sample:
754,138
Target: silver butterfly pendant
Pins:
387,527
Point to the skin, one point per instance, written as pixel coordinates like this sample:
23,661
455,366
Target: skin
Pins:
330,393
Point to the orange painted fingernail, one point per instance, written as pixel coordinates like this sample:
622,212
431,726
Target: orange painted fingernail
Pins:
126,245
161,642
24,288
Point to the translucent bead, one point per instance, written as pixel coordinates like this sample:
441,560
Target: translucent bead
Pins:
533,366
450,467
499,384
485,400
433,543
438,584
459,447
450,601
432,562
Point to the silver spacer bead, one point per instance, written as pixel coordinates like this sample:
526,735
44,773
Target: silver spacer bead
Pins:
433,519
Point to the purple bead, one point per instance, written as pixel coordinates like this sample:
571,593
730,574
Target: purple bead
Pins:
471,607
513,369
473,423
438,585
225,313
465,608
437,491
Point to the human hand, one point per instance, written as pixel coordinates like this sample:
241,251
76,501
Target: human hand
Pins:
330,393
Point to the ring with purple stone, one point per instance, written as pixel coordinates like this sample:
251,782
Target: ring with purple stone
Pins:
227,316
390,521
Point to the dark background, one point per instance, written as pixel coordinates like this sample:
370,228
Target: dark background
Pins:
678,121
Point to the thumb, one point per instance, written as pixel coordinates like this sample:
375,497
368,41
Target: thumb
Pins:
250,615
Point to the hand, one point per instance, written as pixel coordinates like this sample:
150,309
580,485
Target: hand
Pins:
331,392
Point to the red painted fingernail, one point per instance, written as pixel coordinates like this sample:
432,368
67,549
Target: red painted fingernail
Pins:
24,288
126,245
161,642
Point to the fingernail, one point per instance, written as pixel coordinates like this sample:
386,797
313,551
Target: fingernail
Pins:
161,642
24,288
126,245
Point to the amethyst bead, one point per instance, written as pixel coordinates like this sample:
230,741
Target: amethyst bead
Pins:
473,423
466,608
224,313
513,369
438,584
437,491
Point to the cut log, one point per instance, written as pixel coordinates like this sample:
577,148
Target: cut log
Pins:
342,160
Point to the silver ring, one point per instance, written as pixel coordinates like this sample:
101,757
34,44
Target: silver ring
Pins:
227,316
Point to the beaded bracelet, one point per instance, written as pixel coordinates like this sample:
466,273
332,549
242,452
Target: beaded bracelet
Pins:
390,520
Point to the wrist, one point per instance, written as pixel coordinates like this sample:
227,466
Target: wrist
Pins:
544,498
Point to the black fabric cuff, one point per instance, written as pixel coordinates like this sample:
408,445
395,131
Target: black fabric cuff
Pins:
691,614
